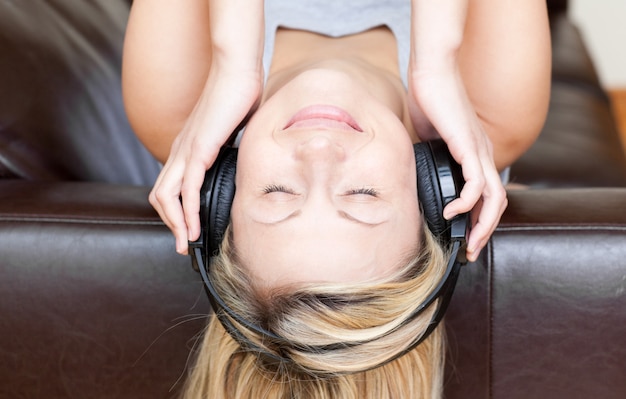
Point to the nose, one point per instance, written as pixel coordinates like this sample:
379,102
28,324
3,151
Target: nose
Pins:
320,150
320,157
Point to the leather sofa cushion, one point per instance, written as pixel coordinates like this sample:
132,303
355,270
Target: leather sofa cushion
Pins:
541,314
96,304
95,301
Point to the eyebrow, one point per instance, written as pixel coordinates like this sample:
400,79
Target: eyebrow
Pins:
342,214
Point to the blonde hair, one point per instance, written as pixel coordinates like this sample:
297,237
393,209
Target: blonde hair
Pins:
365,324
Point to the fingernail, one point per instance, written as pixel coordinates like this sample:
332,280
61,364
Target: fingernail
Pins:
448,214
180,247
473,251
472,256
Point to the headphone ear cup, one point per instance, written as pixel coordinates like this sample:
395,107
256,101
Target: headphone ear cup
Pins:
429,190
217,193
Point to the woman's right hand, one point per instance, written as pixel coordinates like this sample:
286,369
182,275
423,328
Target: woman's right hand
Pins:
229,96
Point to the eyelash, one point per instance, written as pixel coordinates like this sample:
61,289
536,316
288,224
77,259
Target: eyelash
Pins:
273,188
365,190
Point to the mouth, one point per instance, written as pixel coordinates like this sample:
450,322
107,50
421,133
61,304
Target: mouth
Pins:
323,117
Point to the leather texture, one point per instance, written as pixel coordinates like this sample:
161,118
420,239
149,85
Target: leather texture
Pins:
557,298
95,303
566,154
60,78
541,313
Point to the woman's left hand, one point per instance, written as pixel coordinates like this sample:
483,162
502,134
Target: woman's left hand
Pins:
441,107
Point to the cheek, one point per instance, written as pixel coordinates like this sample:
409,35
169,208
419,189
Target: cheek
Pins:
254,158
259,164
395,166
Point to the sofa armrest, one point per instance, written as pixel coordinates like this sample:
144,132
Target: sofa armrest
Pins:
95,301
542,313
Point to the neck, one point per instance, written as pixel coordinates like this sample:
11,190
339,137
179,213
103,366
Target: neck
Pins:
371,57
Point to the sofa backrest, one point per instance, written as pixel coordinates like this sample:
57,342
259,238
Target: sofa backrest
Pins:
62,115
61,109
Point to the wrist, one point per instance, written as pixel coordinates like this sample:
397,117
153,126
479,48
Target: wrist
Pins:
434,60
437,31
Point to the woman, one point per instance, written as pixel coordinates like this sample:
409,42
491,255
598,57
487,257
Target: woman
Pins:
325,179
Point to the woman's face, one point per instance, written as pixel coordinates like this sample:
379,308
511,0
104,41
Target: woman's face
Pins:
325,185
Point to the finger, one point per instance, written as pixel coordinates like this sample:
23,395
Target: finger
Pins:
165,197
475,213
173,211
155,204
474,250
154,201
489,213
172,224
467,155
469,196
487,220
190,193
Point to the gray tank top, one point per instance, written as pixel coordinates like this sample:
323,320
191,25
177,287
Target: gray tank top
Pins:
336,18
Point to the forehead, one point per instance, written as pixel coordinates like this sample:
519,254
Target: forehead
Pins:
300,253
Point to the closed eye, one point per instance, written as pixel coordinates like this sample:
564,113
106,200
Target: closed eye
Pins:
365,191
274,188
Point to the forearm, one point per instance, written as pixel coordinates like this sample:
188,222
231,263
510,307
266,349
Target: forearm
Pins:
437,28
167,56
235,77
237,34
169,60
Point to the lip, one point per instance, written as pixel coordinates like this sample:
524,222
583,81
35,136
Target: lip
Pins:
323,116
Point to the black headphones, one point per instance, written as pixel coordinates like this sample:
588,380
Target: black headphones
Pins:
439,181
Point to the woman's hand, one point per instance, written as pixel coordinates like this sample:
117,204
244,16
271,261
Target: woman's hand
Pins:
231,92
228,97
439,101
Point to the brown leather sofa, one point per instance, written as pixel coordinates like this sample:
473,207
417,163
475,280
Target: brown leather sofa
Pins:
94,302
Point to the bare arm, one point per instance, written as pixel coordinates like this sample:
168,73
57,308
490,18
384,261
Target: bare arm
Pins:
440,101
229,89
437,34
